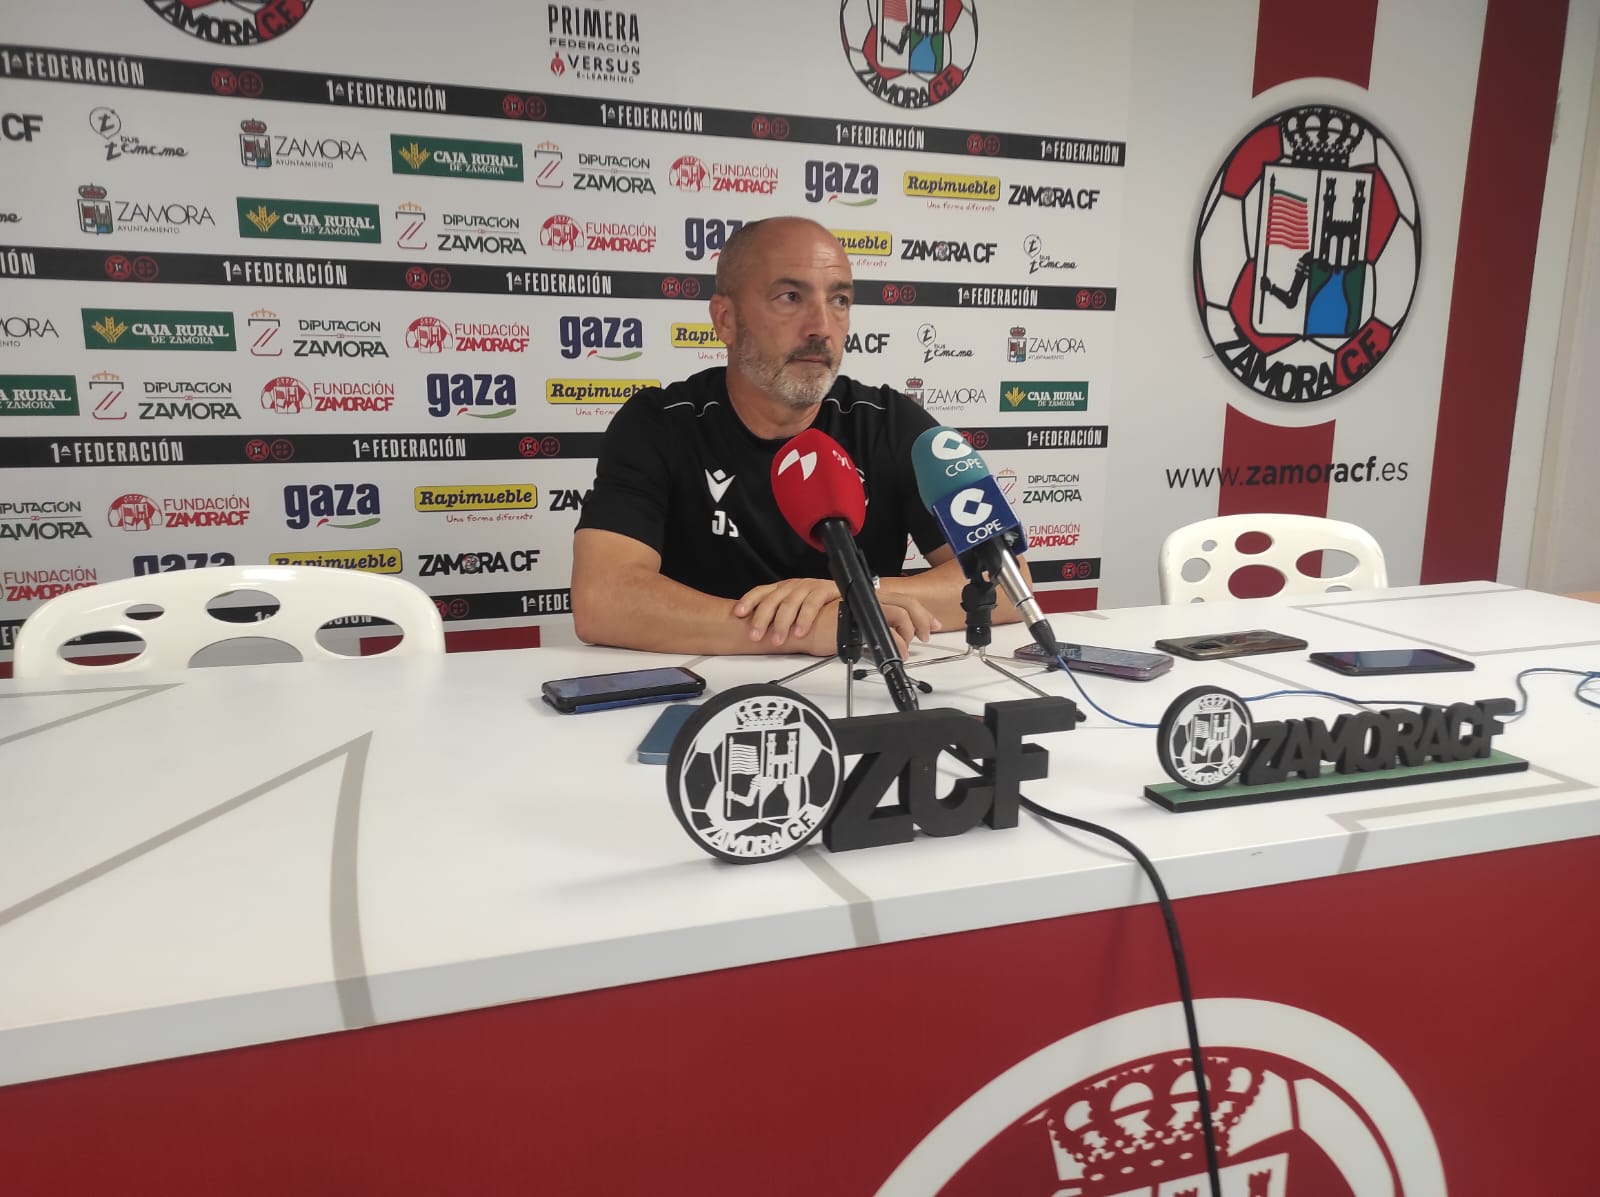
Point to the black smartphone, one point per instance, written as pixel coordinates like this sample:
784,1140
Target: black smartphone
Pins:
1392,660
1230,644
1116,662
657,742
602,691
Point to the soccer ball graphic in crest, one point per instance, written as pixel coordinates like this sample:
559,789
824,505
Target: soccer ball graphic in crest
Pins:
909,53
1307,253
1203,737
232,22
754,774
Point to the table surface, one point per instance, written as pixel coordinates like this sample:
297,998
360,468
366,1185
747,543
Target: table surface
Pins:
219,857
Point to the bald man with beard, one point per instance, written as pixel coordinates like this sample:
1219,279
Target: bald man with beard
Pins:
681,547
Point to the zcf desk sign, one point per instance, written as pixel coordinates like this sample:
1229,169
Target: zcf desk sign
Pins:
759,770
1216,756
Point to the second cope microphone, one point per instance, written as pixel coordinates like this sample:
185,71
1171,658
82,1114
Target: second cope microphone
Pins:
956,486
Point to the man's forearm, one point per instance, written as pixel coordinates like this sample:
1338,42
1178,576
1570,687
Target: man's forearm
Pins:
637,607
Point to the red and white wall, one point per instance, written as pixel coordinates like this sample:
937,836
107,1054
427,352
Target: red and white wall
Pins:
1467,93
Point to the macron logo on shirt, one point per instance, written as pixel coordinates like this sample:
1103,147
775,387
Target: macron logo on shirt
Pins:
718,482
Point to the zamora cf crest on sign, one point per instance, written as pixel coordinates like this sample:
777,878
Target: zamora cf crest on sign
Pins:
1307,253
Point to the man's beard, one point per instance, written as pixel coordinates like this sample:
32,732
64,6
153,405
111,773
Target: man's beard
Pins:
768,371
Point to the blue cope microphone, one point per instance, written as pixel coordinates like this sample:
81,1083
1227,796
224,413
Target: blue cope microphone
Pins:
956,486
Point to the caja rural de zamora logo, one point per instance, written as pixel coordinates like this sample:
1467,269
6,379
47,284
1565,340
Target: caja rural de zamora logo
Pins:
1307,253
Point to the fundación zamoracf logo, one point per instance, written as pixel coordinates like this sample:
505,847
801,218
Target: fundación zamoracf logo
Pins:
910,53
1307,253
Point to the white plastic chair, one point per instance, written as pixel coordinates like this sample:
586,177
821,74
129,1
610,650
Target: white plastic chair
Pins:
1213,543
307,596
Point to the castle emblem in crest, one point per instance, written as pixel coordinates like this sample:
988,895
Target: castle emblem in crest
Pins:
1204,737
255,147
754,774
1299,1105
1307,253
910,53
1134,1131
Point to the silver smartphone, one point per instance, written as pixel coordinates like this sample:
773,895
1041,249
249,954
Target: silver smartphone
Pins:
1116,662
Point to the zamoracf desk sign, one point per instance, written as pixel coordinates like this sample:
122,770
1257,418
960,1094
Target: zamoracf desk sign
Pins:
1217,756
759,770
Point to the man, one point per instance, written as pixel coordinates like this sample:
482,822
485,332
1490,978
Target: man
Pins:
681,547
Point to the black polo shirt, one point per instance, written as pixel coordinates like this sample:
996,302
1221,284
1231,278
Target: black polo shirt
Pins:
681,473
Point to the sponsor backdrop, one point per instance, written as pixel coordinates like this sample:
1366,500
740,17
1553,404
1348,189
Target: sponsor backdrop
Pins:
304,282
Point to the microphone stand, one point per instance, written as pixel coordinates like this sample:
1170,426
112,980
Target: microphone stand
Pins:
977,600
847,650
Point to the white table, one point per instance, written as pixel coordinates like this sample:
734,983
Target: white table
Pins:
217,858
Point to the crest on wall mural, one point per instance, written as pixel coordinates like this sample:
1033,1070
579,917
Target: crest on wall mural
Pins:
910,53
1307,253
232,22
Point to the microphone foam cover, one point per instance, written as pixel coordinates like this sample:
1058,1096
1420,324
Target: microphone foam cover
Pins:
944,462
813,479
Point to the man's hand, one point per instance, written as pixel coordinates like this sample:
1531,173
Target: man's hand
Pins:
621,598
907,619
779,609
924,622
803,612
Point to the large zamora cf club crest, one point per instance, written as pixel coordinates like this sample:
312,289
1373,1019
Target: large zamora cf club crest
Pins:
1134,1131
910,53
1301,1107
1307,253
1203,737
232,22
754,773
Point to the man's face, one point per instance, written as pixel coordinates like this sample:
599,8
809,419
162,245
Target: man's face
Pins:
790,315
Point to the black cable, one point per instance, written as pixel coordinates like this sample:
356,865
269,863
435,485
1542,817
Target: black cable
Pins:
1586,675
1169,915
1579,694
1061,661
1179,963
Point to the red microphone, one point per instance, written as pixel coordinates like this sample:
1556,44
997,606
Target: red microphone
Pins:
819,493
813,479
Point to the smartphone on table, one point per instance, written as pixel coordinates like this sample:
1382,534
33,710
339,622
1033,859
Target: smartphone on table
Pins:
657,743
1378,662
1114,662
1230,644
603,691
